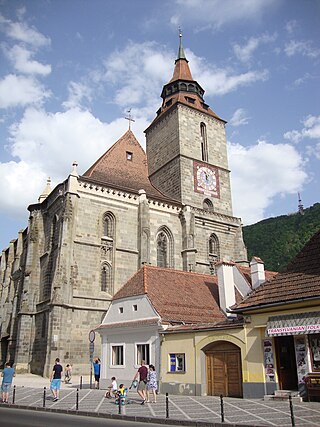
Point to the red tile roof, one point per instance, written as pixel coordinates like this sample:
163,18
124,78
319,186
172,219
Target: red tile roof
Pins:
115,169
301,280
181,71
177,296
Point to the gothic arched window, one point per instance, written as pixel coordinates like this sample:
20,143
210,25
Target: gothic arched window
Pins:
204,146
214,247
106,273
214,252
109,225
165,248
207,205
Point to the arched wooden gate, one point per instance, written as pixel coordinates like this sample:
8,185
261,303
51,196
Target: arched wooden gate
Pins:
223,366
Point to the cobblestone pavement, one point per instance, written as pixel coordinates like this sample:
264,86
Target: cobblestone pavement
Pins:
249,412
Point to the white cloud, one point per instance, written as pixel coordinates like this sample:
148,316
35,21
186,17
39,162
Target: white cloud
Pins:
310,130
140,82
19,186
22,62
77,93
216,13
303,48
261,172
291,26
19,91
46,144
20,31
245,52
239,118
314,151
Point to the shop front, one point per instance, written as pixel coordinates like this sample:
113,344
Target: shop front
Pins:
292,349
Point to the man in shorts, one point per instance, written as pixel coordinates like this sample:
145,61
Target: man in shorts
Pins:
7,374
55,379
142,373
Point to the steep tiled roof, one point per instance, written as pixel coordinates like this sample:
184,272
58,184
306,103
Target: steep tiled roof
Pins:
115,169
177,296
301,280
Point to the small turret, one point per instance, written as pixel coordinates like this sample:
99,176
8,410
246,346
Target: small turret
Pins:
46,191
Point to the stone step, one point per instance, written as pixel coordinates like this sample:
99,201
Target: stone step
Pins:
281,397
286,393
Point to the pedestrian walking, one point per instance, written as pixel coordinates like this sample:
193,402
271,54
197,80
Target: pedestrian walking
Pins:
96,371
68,374
142,373
7,376
152,384
55,379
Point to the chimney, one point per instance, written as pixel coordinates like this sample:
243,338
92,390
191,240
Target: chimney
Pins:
227,294
257,272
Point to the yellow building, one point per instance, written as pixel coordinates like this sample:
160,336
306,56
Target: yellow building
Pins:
282,326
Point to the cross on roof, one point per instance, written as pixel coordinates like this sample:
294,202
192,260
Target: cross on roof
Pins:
129,118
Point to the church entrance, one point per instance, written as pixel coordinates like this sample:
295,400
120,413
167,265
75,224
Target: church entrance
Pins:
223,367
286,363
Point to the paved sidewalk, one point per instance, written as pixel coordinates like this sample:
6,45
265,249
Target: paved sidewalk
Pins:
29,393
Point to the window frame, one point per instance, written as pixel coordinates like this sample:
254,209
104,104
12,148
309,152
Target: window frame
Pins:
140,357
174,363
118,345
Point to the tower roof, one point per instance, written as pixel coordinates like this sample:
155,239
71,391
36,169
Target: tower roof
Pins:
124,166
181,69
183,89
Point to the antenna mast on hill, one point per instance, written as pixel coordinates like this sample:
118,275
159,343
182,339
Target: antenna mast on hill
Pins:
129,118
300,205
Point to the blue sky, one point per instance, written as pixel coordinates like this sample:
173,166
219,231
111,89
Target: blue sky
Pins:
71,69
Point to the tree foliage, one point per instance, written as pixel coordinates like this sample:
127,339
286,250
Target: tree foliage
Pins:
278,240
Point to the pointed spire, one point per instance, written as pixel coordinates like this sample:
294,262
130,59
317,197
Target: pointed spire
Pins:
181,69
46,191
181,54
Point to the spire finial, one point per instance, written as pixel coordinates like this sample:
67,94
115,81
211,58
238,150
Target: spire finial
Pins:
181,54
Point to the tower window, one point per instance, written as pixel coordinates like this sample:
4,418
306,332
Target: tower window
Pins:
129,155
207,205
214,252
204,146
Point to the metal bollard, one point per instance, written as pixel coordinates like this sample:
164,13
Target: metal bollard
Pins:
119,404
167,406
81,382
14,394
77,400
44,397
291,411
221,408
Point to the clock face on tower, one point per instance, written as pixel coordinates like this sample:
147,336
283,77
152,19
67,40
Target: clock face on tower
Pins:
206,179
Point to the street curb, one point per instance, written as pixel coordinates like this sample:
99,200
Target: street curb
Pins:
164,421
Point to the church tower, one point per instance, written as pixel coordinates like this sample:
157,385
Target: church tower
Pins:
186,145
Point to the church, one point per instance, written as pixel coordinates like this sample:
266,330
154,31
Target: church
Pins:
169,207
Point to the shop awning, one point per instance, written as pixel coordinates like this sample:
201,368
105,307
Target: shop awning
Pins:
293,324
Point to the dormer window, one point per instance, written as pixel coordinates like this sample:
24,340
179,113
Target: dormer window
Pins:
191,100
129,155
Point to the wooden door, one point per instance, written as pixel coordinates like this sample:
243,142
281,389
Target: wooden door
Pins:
224,374
286,363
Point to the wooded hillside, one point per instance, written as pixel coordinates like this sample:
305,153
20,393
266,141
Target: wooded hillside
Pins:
277,240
